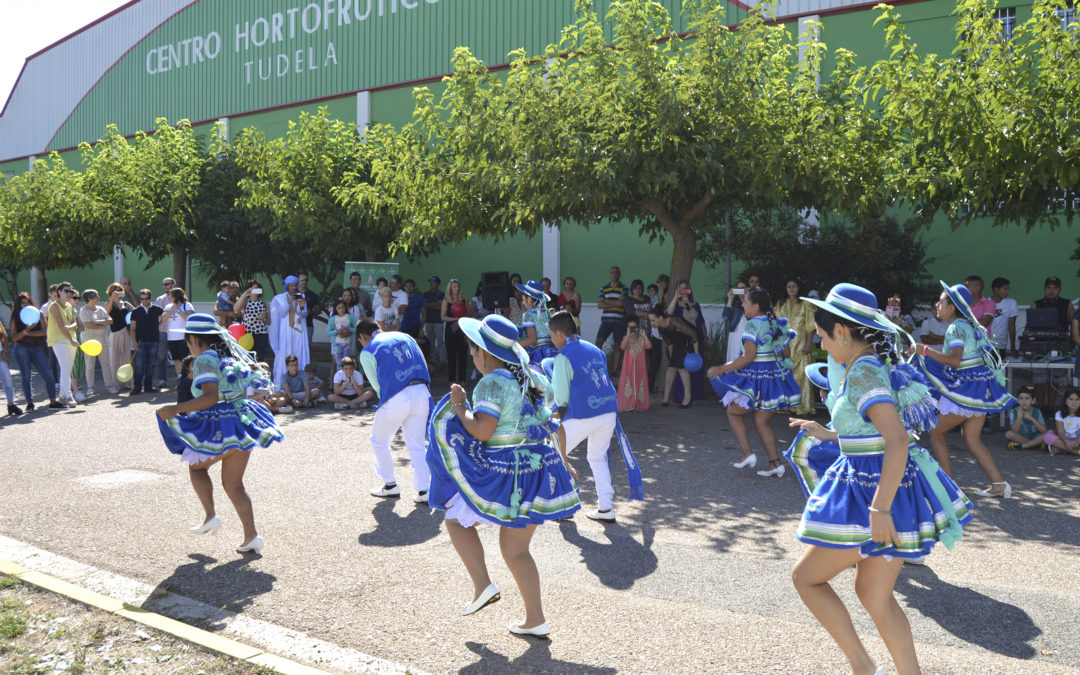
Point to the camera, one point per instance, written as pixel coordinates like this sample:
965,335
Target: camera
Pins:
738,291
299,296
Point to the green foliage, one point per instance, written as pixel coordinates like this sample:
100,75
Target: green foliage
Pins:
994,128
657,129
46,219
881,254
313,197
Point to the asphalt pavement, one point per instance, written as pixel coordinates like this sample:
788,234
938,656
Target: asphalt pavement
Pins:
694,579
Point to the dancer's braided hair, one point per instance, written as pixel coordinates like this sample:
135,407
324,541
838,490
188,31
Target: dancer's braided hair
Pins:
878,340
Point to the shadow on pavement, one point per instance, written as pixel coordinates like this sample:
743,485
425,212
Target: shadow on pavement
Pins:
537,659
621,562
418,526
969,615
231,586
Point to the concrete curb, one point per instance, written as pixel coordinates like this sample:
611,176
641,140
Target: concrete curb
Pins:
129,598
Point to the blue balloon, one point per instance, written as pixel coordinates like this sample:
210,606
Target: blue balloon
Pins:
127,318
692,362
29,315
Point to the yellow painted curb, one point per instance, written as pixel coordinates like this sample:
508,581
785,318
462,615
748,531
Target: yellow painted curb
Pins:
179,629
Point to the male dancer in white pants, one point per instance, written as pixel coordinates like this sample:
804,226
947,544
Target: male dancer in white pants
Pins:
587,402
395,367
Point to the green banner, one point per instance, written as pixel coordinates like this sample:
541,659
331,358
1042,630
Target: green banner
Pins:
369,273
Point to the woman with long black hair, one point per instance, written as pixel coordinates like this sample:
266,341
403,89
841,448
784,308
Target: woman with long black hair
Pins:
219,424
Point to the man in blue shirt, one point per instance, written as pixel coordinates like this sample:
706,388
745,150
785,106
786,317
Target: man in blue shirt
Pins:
588,408
395,368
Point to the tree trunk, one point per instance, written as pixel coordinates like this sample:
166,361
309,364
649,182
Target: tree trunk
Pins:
682,255
179,265
43,284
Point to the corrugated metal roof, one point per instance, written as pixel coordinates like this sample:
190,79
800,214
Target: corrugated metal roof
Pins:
56,79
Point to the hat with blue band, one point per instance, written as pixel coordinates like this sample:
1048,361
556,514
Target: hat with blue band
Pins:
856,304
202,324
534,290
495,334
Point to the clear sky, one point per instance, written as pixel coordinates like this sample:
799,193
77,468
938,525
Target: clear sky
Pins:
27,26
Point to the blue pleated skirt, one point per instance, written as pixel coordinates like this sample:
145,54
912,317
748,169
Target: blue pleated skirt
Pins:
970,391
760,385
205,434
811,458
512,486
837,515
541,351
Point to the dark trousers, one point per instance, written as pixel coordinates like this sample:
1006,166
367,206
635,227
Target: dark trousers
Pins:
456,351
145,358
39,358
262,345
652,360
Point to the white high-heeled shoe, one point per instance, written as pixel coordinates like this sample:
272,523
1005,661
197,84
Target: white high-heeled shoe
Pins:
777,471
488,596
1004,494
254,546
749,460
210,526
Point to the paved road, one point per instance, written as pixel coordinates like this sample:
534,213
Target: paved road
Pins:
694,579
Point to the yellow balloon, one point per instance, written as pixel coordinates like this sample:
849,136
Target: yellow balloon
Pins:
125,372
246,341
91,347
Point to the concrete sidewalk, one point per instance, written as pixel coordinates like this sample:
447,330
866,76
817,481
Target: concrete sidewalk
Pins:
694,579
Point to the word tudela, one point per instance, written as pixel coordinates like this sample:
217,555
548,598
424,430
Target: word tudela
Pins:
284,64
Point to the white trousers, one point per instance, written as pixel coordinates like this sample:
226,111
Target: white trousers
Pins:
65,359
408,411
120,354
598,430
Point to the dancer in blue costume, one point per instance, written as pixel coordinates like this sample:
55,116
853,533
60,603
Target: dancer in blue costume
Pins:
759,381
536,338
494,464
968,383
810,457
884,499
219,424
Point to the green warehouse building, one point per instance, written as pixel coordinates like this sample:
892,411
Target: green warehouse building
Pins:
261,62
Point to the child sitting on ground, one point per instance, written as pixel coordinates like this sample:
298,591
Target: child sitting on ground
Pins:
1067,438
183,380
315,382
1026,422
349,389
295,387
274,400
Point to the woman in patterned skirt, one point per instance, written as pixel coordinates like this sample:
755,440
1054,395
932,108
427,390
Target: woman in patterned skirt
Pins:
493,464
219,424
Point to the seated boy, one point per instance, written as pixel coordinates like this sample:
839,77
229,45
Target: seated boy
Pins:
298,393
349,388
1026,422
315,382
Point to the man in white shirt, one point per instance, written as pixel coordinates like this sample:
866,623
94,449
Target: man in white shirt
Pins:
1003,327
397,291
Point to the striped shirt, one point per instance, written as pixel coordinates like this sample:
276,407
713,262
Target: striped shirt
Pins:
617,292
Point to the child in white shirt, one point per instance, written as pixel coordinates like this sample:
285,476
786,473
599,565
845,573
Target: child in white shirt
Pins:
349,390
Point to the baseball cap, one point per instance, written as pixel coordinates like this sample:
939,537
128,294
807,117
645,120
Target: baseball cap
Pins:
434,280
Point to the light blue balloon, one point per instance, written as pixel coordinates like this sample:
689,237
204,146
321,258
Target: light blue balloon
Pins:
127,318
29,315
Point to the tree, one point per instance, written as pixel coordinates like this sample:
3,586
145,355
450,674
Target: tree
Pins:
299,182
993,130
662,130
46,220
881,254
146,191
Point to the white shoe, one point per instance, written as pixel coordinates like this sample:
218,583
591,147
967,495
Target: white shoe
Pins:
114,390
254,546
421,497
89,392
79,397
321,399
487,597
286,409
542,631
388,490
1004,494
71,403
777,471
341,406
210,526
607,516
921,560
750,461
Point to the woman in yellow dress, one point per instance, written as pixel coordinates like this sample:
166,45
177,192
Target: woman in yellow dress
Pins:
800,316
